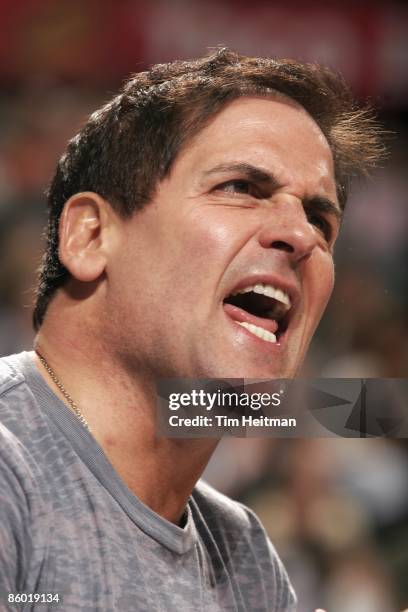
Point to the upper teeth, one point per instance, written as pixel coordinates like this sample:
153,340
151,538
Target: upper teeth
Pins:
270,291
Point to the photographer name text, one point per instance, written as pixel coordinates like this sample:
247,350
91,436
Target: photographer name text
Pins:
225,421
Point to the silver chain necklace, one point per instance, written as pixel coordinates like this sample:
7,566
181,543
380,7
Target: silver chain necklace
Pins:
60,386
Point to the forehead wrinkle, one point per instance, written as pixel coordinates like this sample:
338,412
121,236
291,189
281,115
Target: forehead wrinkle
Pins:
256,120
255,173
228,131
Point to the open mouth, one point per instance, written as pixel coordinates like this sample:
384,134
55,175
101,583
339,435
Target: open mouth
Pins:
262,309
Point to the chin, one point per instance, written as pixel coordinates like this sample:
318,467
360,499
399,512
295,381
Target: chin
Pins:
246,370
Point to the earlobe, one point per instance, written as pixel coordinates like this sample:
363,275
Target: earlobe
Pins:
83,233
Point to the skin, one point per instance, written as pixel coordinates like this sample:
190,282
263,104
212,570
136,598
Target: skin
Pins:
145,298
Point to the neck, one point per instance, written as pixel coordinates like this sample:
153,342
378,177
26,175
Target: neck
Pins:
121,416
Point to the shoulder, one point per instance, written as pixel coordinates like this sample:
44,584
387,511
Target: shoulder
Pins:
242,541
19,504
18,420
207,495
229,514
10,376
13,390
16,487
20,412
16,466
223,510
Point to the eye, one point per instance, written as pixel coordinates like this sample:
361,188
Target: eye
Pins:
320,223
239,186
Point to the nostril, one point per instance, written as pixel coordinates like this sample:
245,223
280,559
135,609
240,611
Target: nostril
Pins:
282,246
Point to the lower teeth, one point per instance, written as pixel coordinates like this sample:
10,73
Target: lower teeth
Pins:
258,331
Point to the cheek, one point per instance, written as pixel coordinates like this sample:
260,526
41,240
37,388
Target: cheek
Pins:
323,282
329,279
218,233
203,249
202,256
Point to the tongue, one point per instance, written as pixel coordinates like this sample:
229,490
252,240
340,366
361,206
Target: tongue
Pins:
238,314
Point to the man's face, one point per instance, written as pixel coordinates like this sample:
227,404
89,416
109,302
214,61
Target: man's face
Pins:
249,206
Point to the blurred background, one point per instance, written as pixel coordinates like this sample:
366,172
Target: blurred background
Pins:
337,510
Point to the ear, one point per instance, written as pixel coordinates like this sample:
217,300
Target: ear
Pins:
84,235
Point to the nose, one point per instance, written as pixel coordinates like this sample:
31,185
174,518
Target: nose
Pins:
286,228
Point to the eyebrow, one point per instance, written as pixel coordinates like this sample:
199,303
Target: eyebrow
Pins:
248,170
323,205
259,175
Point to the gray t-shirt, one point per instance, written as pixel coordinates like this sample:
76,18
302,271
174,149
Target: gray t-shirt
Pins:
70,527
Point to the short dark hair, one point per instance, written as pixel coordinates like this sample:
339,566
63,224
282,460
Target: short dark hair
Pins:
129,145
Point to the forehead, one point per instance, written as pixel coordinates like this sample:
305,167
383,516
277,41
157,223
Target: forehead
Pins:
275,134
